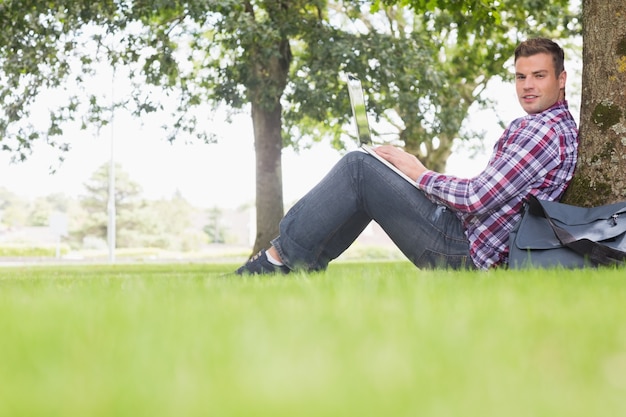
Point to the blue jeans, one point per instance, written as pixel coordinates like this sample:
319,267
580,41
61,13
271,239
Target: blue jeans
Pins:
357,190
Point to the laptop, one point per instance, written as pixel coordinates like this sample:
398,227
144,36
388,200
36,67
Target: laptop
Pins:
357,100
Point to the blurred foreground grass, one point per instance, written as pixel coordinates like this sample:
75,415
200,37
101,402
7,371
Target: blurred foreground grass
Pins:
377,339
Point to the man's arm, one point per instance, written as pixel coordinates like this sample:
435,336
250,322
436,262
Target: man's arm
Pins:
521,164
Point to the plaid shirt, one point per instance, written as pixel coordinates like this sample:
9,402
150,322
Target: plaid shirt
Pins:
536,155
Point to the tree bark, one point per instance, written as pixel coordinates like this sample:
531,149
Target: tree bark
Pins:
268,146
266,83
600,177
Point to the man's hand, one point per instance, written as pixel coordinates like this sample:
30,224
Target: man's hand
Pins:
404,161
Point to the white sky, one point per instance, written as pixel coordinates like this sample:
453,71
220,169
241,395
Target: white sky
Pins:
219,174
207,175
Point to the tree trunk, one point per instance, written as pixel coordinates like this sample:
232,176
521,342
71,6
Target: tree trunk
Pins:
269,183
601,175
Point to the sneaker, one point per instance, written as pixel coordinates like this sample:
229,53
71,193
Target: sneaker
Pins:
259,264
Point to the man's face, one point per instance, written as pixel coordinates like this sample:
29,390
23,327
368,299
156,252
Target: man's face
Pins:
536,83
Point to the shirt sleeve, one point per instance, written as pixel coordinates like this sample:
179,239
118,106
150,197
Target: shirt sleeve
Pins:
522,158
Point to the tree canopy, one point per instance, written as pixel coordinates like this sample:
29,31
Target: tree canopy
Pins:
426,66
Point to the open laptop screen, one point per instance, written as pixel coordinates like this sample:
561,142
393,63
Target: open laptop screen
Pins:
357,100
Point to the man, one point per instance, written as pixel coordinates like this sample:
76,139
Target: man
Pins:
449,221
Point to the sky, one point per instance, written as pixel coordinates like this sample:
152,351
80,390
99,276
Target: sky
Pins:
206,175
217,175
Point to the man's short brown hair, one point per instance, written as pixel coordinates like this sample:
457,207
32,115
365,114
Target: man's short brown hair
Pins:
542,45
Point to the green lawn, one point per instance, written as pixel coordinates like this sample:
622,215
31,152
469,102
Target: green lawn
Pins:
377,339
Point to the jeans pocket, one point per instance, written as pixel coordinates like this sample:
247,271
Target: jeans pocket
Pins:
432,259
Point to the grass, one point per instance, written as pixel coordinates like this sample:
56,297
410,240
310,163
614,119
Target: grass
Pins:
378,339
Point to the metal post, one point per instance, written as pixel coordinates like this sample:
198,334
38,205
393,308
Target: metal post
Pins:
111,202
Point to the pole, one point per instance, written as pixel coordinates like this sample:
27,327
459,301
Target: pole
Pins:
111,202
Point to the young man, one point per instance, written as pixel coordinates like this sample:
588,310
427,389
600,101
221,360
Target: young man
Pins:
449,221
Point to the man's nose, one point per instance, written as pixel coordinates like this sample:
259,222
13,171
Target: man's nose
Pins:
528,83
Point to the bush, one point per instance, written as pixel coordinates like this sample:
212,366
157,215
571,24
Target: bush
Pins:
30,251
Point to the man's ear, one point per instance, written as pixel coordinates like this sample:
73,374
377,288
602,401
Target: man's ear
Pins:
562,79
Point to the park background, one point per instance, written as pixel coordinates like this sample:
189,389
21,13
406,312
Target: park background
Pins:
189,196
215,182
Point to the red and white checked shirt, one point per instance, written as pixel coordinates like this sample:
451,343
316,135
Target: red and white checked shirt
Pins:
535,155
